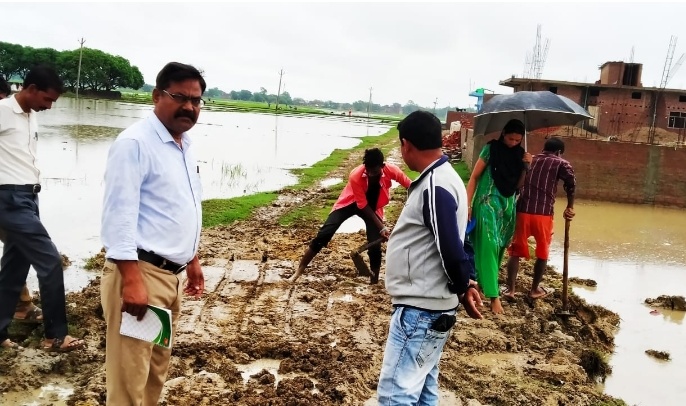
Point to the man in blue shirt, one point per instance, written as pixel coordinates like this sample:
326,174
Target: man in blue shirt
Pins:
151,229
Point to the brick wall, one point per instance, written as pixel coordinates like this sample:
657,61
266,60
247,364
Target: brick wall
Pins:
467,119
617,171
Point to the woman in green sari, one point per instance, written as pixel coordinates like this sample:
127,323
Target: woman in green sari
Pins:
491,194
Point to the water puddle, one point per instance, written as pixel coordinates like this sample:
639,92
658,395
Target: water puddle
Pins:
632,261
48,395
272,366
351,225
330,182
340,296
244,271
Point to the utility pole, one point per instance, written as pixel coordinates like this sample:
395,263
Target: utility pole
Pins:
435,103
369,105
278,93
78,72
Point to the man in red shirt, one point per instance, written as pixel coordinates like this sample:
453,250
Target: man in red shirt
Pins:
535,214
365,195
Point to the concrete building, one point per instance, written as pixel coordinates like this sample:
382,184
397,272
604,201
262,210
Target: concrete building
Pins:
622,107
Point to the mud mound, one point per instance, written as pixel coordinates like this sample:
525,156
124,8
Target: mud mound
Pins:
668,302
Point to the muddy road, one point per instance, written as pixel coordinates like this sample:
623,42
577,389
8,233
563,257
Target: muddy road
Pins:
255,339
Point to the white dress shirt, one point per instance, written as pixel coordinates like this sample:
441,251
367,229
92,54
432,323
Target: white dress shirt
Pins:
18,139
152,195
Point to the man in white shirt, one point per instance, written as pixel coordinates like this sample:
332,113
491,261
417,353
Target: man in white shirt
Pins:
151,223
27,242
26,311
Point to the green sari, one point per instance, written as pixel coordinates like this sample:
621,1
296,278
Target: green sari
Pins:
495,226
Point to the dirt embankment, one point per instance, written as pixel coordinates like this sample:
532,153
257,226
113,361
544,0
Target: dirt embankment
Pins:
255,339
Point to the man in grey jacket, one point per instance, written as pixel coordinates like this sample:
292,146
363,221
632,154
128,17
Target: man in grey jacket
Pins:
427,269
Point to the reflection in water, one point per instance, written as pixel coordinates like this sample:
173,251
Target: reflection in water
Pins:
276,135
672,316
633,252
623,232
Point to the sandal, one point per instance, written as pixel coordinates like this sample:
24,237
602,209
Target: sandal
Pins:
64,344
29,314
546,292
506,295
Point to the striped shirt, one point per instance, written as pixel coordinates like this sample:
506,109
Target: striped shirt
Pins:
540,186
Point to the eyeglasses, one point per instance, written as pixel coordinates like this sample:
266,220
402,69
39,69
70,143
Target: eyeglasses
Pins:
183,99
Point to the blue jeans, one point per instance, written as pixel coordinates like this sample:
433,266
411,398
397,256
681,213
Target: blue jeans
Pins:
409,373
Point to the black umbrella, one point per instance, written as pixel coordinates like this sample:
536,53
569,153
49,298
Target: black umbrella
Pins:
535,109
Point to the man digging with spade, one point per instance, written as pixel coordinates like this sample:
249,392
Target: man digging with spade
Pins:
365,195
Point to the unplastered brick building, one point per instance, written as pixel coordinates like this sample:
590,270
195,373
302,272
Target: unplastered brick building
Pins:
619,103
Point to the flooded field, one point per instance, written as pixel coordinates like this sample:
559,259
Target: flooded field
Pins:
239,154
633,253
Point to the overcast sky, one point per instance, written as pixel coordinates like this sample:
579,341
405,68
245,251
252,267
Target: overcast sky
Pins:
337,51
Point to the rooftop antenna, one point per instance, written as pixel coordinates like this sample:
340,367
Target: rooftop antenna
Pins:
666,76
631,56
535,60
673,70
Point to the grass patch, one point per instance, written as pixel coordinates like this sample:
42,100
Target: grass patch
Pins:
225,211
462,170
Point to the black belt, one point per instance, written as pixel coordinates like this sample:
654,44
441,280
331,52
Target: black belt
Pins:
35,189
158,261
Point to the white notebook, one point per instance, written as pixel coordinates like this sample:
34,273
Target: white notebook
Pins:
155,327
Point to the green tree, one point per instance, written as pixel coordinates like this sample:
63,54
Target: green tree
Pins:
285,98
244,95
213,93
11,59
37,56
409,107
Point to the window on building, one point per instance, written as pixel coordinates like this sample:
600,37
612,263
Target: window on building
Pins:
677,119
636,95
553,89
682,98
594,92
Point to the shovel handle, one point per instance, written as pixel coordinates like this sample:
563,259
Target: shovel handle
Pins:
369,245
565,268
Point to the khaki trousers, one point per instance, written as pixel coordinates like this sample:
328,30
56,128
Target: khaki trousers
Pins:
136,369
